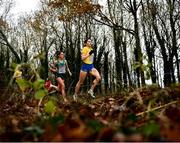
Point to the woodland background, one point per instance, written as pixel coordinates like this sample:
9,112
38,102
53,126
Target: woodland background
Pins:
137,54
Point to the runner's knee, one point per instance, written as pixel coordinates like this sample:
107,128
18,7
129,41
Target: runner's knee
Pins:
81,82
98,78
62,86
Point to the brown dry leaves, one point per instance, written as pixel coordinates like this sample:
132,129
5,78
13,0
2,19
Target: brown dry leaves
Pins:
107,118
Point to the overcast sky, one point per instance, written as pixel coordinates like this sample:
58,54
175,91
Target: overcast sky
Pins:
24,6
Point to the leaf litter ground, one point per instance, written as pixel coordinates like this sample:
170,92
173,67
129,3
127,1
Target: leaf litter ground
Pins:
145,114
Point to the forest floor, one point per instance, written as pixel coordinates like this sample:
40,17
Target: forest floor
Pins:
145,114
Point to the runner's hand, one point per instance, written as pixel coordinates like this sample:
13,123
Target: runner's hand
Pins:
70,73
91,52
53,70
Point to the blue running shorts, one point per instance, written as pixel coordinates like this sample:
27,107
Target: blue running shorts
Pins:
87,67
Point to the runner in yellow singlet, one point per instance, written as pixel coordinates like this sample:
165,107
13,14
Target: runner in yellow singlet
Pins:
87,56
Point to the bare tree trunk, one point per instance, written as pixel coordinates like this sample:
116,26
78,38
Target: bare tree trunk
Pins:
12,49
174,39
106,71
118,55
126,74
178,69
167,64
133,8
138,52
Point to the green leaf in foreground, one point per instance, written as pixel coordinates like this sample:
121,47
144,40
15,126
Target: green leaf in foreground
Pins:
39,83
58,119
50,107
95,125
23,84
150,129
40,94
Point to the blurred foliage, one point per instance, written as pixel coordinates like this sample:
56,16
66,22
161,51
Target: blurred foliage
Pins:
150,129
50,107
71,9
95,125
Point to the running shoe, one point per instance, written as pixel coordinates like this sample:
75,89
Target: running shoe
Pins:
91,93
47,85
75,97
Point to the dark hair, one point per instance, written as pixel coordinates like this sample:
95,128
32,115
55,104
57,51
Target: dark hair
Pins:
57,53
85,41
